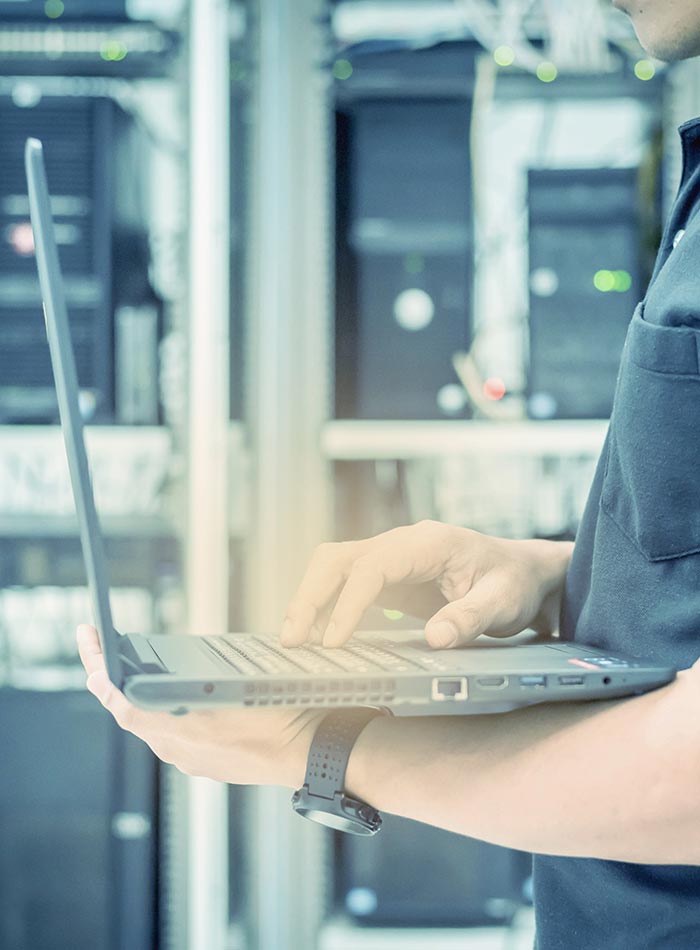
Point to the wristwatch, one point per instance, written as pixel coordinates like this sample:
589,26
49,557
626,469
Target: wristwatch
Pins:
322,797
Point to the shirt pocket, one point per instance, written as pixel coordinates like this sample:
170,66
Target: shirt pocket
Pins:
651,487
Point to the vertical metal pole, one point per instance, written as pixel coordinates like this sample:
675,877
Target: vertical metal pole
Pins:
289,400
207,522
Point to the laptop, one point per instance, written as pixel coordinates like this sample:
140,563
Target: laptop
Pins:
393,670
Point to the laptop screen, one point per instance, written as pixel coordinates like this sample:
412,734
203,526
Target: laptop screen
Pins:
65,376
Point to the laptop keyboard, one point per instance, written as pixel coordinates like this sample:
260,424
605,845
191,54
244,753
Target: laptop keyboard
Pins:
255,655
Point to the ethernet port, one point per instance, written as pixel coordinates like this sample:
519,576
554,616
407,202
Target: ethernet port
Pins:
446,689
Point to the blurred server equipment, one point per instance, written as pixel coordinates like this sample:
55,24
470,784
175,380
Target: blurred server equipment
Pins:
78,136
404,232
136,338
585,278
78,827
414,875
48,10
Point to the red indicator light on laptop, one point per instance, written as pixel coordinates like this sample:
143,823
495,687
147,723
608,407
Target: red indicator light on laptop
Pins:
583,663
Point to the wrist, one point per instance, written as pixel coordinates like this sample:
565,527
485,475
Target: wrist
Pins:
550,563
289,757
363,765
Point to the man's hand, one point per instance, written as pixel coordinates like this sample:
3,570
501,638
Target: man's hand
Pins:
241,746
491,585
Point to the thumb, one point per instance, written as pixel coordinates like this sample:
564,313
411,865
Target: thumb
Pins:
461,621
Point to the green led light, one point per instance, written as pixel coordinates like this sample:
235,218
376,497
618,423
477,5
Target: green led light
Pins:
644,69
414,263
504,55
342,69
112,51
547,72
604,281
54,9
623,281
393,614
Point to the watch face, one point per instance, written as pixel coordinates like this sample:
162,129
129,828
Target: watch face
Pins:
337,822
343,814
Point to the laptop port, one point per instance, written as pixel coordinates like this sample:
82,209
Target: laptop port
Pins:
492,682
571,681
534,680
452,688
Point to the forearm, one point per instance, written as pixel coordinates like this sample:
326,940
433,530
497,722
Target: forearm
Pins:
615,780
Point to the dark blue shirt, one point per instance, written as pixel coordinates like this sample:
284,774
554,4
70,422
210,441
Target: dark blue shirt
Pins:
634,581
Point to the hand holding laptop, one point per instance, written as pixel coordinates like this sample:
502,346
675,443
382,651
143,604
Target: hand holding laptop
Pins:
241,746
462,582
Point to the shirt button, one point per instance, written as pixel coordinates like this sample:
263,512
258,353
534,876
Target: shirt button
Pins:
677,238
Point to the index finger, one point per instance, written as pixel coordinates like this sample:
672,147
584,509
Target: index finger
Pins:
324,576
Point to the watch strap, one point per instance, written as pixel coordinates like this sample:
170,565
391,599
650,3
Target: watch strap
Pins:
330,750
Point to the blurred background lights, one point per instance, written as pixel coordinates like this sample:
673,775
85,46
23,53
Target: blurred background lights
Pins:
26,94
542,405
504,55
547,72
54,8
21,237
361,901
414,309
113,51
451,399
342,69
604,281
612,280
623,281
644,69
494,388
393,615
544,282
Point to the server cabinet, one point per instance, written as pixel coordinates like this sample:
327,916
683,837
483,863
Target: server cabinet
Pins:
404,234
415,875
78,826
585,278
78,136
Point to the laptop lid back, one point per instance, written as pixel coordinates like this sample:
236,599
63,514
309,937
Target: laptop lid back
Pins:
65,375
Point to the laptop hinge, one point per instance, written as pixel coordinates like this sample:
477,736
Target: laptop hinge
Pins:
139,655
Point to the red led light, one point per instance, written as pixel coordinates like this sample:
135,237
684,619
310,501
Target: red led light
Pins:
587,666
21,237
494,388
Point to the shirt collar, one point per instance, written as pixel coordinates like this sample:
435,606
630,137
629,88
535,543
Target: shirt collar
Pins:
690,142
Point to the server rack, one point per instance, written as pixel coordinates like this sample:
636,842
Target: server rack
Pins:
586,275
404,244
79,137
88,805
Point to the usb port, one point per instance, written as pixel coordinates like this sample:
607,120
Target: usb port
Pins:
571,681
492,682
533,681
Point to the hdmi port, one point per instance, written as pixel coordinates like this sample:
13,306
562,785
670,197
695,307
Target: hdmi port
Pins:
492,682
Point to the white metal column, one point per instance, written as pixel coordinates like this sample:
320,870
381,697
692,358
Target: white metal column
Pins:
289,400
207,523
